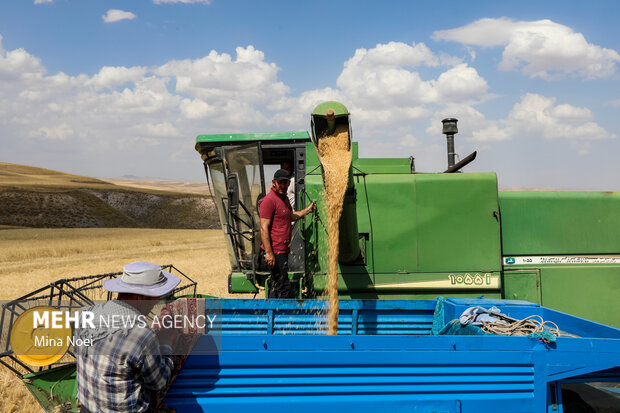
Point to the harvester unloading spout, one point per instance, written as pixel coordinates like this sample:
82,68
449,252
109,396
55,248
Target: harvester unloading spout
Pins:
328,118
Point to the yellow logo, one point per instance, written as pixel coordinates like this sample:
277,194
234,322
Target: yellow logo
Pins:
38,344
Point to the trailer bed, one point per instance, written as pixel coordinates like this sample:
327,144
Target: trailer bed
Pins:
273,355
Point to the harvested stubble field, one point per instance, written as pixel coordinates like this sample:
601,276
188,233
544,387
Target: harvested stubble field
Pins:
31,258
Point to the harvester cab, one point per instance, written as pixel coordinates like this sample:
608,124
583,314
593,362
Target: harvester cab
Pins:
239,168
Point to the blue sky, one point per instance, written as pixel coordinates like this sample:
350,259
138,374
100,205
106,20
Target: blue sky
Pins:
108,88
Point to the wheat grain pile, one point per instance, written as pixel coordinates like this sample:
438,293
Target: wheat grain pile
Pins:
336,159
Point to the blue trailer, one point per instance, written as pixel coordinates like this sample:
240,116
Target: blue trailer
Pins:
394,355
389,355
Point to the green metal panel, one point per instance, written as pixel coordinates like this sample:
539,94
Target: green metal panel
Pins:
348,244
313,165
252,137
382,166
391,204
364,222
457,222
338,108
54,387
238,283
549,222
315,233
522,285
588,291
454,221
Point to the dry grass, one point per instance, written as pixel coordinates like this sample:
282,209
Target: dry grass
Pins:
31,258
43,255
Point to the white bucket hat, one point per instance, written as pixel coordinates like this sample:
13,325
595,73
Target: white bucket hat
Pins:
143,278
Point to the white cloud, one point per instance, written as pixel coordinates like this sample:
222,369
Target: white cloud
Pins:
472,53
536,113
149,95
110,77
615,102
236,93
194,108
156,130
582,147
537,116
539,48
395,54
183,1
491,133
115,115
18,63
115,15
383,78
56,132
218,78
568,113
43,1
484,32
460,84
448,60
410,141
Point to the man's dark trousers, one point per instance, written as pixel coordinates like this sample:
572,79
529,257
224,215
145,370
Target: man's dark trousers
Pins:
280,286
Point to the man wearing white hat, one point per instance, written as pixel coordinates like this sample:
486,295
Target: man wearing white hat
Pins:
126,362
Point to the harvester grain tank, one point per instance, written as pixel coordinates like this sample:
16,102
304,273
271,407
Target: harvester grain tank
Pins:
419,235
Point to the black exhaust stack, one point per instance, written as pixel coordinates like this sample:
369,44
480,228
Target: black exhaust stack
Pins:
450,129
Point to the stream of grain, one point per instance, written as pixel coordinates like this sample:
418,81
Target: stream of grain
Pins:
336,160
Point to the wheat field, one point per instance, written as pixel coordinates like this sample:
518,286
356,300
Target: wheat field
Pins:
31,258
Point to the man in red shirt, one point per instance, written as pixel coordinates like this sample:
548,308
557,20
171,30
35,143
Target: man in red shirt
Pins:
276,215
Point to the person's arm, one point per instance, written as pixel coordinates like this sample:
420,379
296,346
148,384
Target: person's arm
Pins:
156,365
266,239
295,215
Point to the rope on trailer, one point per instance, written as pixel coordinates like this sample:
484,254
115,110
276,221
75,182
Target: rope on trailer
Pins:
534,324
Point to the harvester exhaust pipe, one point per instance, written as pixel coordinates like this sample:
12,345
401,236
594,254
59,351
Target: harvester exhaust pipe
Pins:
450,129
465,161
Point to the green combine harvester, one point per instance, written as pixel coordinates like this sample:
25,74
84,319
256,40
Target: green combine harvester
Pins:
404,235
408,234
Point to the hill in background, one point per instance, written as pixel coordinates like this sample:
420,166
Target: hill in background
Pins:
43,198
160,185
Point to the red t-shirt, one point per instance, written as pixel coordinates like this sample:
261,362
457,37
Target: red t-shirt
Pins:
278,210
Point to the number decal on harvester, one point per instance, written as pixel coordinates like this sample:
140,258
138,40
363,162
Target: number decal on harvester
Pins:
468,279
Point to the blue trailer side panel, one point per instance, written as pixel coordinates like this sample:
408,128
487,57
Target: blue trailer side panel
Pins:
276,370
365,373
